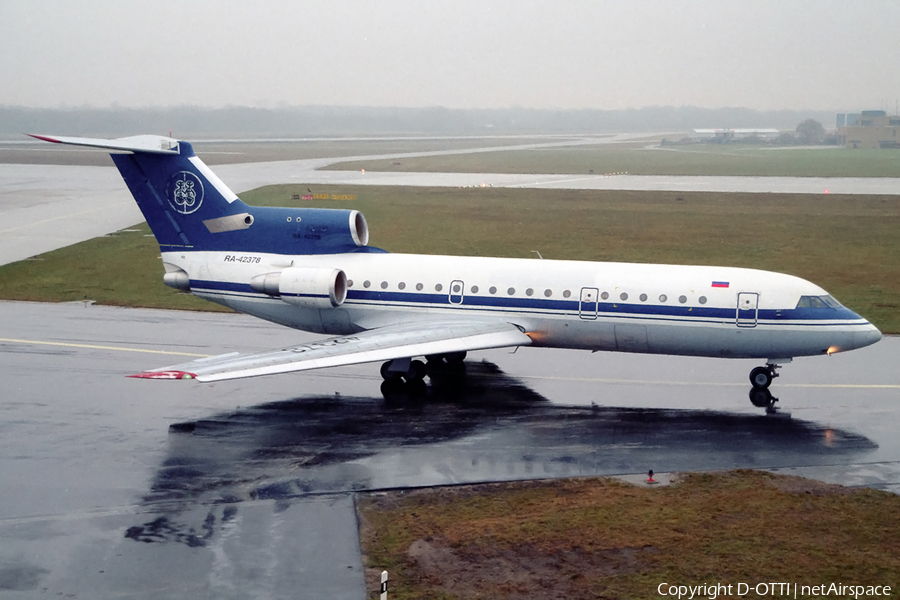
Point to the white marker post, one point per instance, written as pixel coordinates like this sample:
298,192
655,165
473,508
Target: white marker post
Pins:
384,579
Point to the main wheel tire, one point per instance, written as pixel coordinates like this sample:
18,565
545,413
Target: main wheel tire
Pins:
761,378
417,371
455,357
388,375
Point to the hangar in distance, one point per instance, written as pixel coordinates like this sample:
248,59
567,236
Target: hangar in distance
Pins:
313,269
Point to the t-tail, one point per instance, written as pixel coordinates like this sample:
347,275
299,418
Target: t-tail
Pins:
189,208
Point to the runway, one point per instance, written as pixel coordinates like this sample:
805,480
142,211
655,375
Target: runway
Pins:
115,486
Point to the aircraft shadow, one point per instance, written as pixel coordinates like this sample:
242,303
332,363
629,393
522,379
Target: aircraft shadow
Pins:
481,426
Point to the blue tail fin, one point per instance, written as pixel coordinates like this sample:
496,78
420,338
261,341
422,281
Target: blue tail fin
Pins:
189,208
184,202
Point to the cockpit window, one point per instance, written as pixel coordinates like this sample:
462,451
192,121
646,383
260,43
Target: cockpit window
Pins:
818,302
831,302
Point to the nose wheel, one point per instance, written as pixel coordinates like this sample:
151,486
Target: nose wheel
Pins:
761,377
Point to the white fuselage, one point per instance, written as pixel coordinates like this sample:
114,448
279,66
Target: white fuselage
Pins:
661,309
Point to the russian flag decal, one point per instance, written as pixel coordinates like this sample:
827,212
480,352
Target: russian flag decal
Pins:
722,284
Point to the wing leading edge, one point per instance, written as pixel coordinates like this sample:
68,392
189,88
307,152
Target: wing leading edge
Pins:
384,343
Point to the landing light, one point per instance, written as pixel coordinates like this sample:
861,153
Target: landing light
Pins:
832,350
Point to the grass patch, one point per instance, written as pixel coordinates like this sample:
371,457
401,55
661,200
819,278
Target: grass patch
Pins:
848,244
122,269
706,159
599,538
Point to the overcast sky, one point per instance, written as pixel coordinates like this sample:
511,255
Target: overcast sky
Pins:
760,54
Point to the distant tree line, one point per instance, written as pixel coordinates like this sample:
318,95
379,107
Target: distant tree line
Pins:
305,121
808,133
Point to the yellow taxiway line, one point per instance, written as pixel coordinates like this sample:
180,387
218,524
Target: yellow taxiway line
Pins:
95,347
874,386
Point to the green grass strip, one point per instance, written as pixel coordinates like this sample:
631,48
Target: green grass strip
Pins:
847,244
638,159
600,538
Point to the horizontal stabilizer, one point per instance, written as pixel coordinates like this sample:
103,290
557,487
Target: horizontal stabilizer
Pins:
385,343
153,144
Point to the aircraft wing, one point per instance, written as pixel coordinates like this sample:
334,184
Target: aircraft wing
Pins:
384,343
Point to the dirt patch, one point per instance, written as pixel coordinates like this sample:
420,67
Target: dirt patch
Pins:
522,572
799,485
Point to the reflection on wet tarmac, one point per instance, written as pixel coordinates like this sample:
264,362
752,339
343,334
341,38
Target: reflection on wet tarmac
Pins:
473,427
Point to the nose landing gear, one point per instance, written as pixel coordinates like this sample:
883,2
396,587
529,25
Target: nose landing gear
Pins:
761,378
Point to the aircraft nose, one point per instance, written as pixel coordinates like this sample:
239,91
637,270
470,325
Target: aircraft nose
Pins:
868,336
872,336
860,336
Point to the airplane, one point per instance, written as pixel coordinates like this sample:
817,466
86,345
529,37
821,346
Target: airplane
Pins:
314,270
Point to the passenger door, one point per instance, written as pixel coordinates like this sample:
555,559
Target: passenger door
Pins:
747,309
587,305
457,289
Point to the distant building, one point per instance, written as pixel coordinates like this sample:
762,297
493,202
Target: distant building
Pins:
871,129
847,119
736,134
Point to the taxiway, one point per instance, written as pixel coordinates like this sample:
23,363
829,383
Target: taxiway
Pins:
117,486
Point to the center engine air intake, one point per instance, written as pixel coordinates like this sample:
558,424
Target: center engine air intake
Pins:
313,230
309,287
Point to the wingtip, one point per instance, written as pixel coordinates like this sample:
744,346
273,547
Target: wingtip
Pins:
164,375
45,138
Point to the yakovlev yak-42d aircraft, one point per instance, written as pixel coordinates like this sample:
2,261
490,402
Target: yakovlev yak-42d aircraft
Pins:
312,269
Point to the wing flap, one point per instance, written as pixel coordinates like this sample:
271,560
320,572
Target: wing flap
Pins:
385,343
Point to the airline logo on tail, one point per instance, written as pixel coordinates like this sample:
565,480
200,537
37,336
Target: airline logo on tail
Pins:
185,192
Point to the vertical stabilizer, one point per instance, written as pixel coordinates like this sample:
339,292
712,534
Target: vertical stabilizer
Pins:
175,190
189,208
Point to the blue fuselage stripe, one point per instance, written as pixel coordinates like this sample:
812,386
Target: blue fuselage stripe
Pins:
547,306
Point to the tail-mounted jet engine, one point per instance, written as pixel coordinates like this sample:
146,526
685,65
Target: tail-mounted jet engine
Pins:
309,287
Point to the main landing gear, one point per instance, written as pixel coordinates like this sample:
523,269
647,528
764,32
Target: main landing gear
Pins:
761,378
407,375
